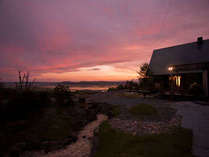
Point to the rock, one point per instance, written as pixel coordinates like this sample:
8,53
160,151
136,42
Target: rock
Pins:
15,151
150,127
15,154
74,138
96,131
82,100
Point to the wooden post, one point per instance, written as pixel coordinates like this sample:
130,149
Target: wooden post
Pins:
205,82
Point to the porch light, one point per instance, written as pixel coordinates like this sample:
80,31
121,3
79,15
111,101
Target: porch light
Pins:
170,69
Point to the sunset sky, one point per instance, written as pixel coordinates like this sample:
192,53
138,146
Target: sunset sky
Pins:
86,40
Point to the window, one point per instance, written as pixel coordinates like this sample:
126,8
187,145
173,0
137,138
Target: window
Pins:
175,81
178,81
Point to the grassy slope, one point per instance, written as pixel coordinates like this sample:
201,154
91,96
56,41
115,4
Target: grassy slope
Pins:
114,143
143,110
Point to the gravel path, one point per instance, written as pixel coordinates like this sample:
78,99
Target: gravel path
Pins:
81,148
117,98
196,117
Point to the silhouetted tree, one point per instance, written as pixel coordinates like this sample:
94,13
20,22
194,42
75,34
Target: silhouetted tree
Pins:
145,79
195,89
144,70
24,80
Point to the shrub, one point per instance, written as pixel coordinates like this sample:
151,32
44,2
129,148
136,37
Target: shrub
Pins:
111,89
1,85
22,103
62,94
131,85
115,110
120,86
143,110
195,89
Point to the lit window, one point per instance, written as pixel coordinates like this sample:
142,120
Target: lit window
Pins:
178,81
170,68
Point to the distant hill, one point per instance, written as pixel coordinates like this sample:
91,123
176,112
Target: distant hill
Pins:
94,82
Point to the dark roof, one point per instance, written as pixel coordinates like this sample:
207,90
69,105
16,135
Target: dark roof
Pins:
177,55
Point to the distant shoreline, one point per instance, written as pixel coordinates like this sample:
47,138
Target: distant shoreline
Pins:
82,86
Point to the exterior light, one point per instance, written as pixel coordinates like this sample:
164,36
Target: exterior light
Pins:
170,68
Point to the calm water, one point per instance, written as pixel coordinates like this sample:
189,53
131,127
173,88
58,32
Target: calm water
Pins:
90,87
98,88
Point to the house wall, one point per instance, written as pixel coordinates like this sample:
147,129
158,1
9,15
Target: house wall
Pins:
161,82
190,78
205,82
202,68
191,67
187,79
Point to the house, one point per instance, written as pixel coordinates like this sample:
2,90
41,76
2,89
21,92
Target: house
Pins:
182,65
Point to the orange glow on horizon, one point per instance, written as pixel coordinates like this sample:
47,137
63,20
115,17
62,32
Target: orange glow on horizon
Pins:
102,73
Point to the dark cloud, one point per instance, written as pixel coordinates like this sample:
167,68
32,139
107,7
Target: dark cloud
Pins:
95,69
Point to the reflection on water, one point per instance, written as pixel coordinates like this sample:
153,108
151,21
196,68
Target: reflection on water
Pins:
75,88
100,88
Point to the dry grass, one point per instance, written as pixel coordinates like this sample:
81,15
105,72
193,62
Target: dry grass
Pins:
129,95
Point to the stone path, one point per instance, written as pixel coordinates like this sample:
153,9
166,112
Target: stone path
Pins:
196,117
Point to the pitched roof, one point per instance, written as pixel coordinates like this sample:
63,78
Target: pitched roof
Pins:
177,55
